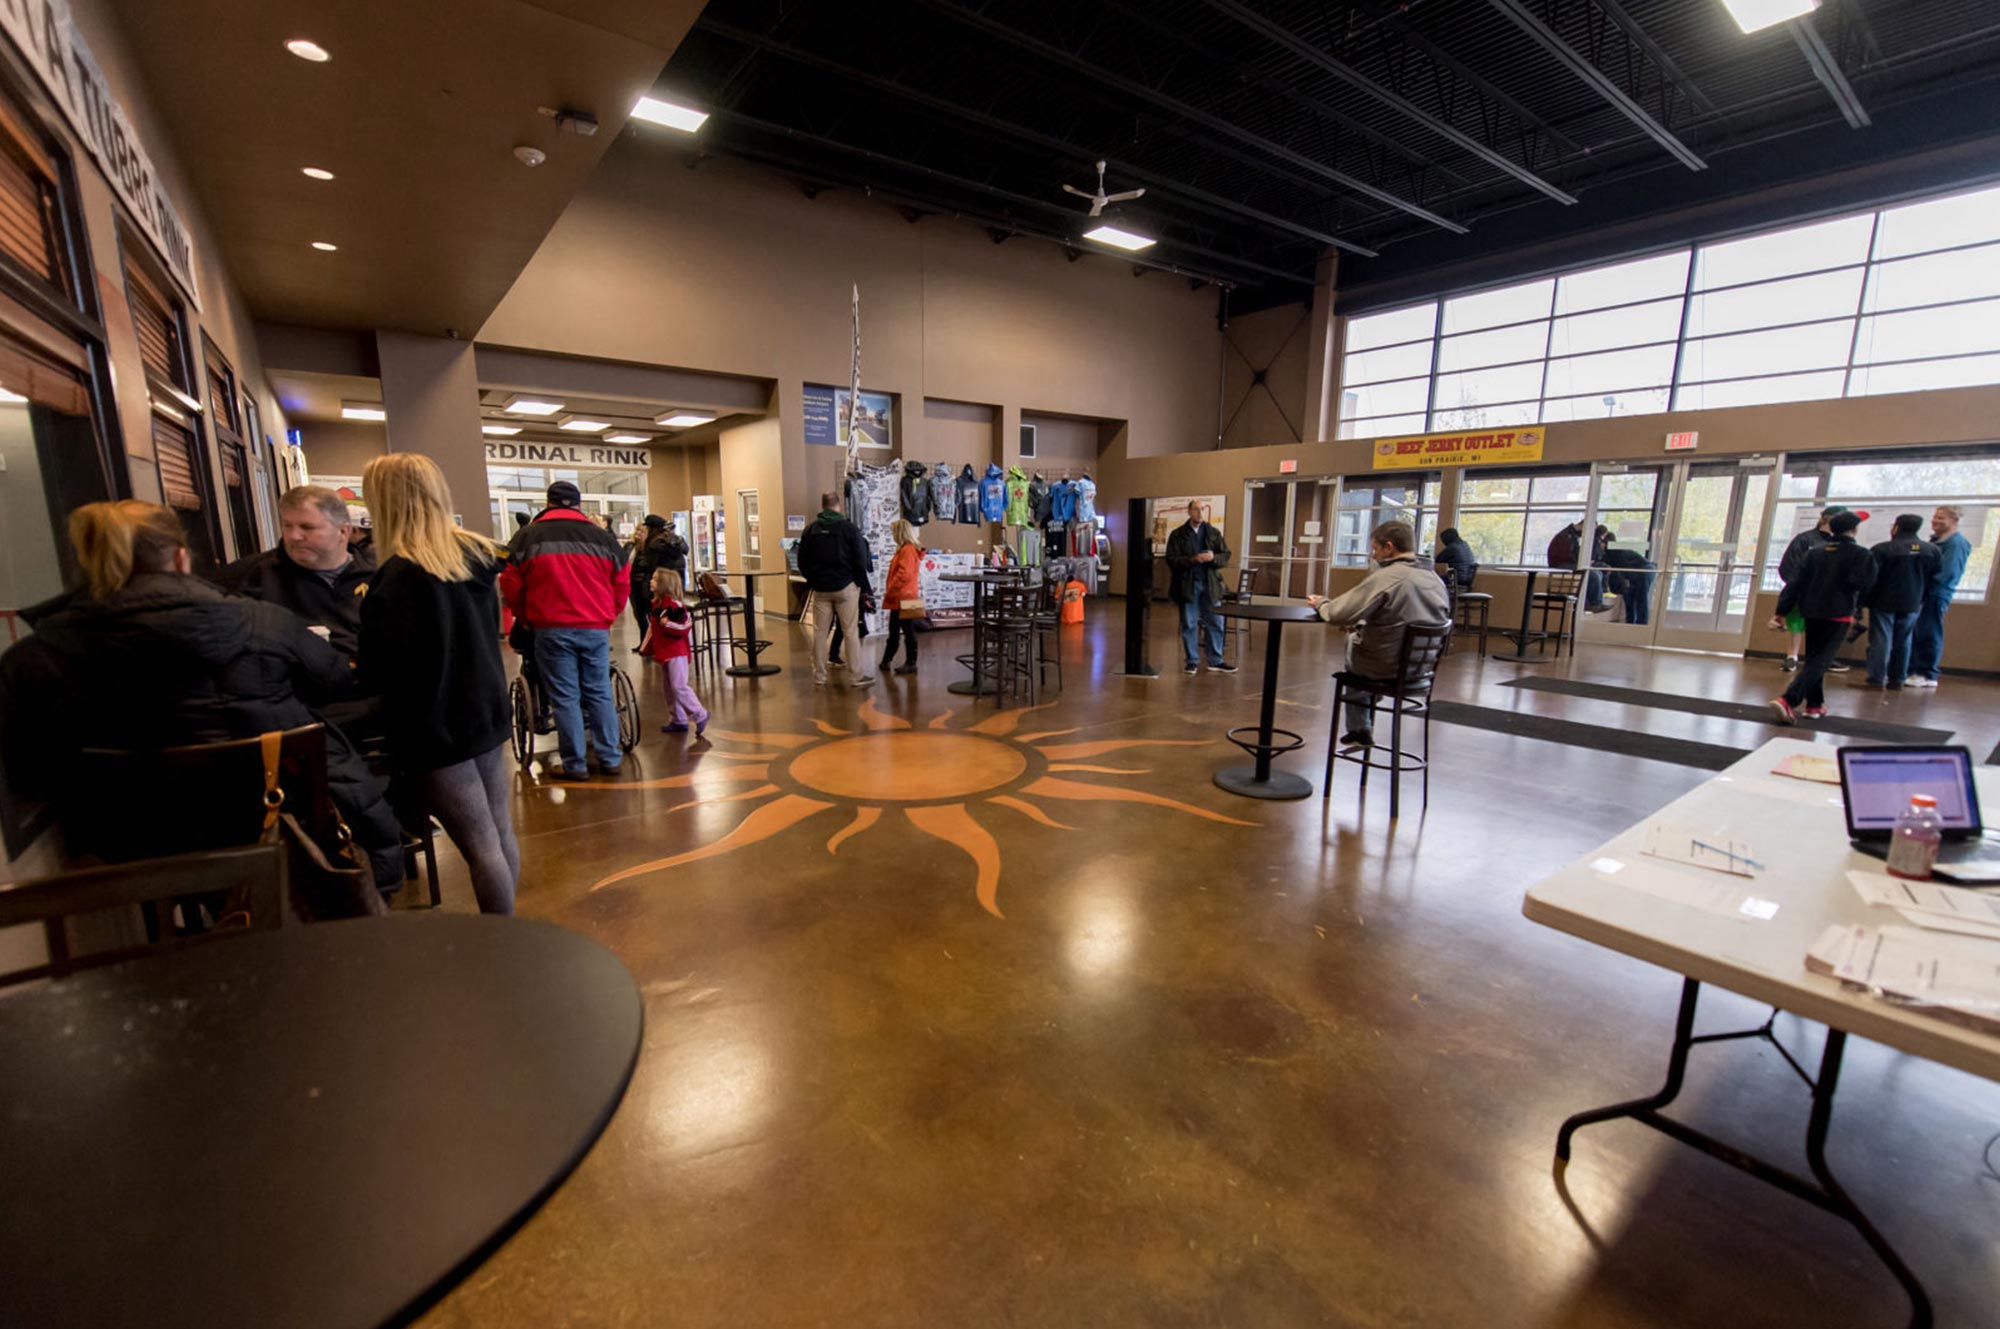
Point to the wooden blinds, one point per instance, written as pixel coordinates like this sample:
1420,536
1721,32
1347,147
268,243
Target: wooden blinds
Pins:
174,446
156,318
221,394
28,202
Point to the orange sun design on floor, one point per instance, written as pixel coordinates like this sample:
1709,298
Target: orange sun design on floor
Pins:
930,775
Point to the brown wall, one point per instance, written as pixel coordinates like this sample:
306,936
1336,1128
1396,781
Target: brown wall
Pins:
1273,341
682,471
730,269
961,433
341,447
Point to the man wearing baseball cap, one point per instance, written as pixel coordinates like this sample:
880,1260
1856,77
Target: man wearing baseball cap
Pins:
1828,591
565,579
1789,568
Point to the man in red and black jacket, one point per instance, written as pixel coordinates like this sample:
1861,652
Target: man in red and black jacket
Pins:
565,578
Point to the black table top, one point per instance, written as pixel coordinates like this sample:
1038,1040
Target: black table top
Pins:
1270,613
324,1125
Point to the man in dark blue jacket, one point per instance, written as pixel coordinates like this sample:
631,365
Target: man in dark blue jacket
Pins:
1927,647
1905,564
1828,591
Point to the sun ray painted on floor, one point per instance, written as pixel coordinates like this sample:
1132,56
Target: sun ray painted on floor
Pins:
863,819
951,823
1005,722
1028,809
875,719
1050,787
830,730
1046,733
941,720
758,792
1064,751
761,824
1100,770
720,775
765,740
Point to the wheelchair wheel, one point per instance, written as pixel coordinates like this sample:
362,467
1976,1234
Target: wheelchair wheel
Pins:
523,706
627,703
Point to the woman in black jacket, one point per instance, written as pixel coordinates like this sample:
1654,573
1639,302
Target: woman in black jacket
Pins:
147,655
430,647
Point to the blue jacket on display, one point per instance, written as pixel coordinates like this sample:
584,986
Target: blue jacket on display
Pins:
1086,499
968,497
993,493
1062,502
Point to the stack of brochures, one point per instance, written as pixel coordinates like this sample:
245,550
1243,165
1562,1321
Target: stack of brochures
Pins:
1950,975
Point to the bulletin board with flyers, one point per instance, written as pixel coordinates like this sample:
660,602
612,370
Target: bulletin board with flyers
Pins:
1163,514
948,604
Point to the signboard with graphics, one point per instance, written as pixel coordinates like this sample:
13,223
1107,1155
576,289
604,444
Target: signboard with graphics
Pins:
1474,447
41,30
581,456
826,415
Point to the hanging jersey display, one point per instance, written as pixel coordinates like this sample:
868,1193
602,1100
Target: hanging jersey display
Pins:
944,494
1062,502
1017,496
968,497
992,494
915,493
1086,499
1038,500
1072,602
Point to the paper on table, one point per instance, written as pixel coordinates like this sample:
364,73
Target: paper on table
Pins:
1696,891
1926,897
1954,974
1805,766
1712,850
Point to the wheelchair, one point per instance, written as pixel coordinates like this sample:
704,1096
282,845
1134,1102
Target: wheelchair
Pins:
532,716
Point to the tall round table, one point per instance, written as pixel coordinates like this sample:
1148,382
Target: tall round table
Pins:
979,685
314,1126
1258,780
1522,634
749,643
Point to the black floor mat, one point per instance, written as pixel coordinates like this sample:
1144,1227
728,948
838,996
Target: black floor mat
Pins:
1879,730
1603,738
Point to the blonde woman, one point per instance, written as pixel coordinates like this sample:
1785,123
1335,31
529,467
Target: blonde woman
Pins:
899,589
430,647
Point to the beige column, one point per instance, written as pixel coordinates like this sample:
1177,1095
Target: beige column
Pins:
1322,352
430,390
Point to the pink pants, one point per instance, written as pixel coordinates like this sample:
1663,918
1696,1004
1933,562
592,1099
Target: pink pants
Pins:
687,706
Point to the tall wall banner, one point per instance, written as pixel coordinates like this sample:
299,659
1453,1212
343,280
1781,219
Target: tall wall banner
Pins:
1478,447
41,30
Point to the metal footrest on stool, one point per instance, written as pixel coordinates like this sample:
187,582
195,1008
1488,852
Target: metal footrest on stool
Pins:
1257,747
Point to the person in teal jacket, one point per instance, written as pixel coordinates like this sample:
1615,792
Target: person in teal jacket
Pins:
993,494
1017,496
1927,646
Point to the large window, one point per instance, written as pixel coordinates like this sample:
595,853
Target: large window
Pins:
1509,517
1368,501
1886,484
1898,300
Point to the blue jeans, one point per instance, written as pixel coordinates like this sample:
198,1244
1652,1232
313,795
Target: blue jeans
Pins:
573,660
1927,647
1196,614
1889,639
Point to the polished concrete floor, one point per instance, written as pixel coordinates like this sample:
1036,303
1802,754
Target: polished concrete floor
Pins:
958,1017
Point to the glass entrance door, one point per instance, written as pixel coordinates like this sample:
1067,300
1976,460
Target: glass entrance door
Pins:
1709,576
1312,517
1266,534
1287,537
1633,504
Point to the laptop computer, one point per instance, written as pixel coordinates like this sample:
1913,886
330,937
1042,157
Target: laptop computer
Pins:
1876,784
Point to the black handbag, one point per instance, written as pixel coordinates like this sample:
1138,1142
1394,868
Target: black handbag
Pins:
325,883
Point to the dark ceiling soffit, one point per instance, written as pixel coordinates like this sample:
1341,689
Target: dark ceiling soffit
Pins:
1194,114
1826,68
612,380
1200,198
1243,265
1312,54
1923,146
1602,84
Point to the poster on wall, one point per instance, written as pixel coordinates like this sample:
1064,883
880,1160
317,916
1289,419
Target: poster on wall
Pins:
1163,514
349,489
1477,447
826,417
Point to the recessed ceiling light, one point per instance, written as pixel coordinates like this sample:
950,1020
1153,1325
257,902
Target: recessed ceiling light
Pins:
504,431
524,405
628,438
671,114
1756,15
316,172
308,50
324,247
361,411
576,424
683,419
1111,235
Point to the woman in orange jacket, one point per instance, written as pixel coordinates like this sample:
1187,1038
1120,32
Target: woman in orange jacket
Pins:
901,591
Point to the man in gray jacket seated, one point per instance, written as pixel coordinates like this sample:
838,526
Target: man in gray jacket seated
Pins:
1399,593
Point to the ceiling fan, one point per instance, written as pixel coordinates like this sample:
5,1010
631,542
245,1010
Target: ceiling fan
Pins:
1100,200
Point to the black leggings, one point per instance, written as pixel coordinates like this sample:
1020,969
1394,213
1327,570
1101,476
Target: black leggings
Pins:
642,607
900,629
1824,637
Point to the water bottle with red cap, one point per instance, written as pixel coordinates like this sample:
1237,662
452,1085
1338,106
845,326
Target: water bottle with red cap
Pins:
1913,849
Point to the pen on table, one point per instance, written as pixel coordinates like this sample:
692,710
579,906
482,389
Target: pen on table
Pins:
1729,854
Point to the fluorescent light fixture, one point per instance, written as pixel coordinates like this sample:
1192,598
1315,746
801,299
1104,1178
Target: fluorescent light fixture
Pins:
8,398
1757,15
524,405
683,419
316,172
671,114
308,50
628,438
576,424
352,410
1111,235
504,431
324,247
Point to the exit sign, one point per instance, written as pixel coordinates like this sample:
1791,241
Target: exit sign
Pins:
1288,468
1683,442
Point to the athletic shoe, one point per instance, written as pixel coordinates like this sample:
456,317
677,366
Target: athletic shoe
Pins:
1786,715
1919,681
1895,687
1357,738
819,680
1222,669
673,729
1791,664
1190,670
700,727
1813,712
1838,667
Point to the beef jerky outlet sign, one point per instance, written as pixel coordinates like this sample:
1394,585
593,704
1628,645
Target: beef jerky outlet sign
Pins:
41,30
580,456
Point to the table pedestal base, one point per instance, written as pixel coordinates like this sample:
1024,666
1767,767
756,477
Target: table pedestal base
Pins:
1823,1190
753,670
1278,784
969,687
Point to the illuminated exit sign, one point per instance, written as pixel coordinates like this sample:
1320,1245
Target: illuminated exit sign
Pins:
1288,468
1683,442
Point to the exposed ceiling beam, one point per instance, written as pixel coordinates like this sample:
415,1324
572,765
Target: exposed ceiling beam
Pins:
1605,87
1826,68
1007,129
1312,54
1174,106
1644,41
1411,37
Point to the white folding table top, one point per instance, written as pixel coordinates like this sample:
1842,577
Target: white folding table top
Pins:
1798,830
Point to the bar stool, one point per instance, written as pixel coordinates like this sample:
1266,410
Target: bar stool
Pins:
1408,693
1013,634
1245,592
1466,605
1048,630
1562,599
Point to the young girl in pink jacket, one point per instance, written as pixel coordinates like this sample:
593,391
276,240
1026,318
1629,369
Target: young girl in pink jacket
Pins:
667,642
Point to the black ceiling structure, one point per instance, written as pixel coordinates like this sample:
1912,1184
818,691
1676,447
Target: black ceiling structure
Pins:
1415,138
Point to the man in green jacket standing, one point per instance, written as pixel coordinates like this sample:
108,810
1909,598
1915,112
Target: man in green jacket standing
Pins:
1197,553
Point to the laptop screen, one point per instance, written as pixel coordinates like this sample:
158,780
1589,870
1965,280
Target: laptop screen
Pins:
1877,784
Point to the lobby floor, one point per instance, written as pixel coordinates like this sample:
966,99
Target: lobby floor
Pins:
966,1017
